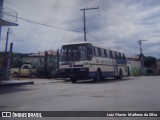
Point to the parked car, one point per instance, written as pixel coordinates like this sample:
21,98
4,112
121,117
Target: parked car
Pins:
25,70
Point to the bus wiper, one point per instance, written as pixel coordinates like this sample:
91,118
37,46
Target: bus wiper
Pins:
76,58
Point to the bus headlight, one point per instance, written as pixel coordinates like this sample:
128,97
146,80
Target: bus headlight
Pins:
85,63
82,70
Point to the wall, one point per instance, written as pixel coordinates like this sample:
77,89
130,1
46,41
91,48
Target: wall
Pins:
134,67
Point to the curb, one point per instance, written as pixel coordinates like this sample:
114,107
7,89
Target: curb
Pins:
15,83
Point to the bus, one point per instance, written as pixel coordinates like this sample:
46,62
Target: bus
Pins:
84,60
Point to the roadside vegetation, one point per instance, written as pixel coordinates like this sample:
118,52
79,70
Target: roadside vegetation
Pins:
150,67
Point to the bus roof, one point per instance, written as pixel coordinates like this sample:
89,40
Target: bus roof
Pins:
74,43
97,45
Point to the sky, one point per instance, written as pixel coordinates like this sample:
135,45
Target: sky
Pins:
117,24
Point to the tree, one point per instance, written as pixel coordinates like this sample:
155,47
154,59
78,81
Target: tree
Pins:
149,61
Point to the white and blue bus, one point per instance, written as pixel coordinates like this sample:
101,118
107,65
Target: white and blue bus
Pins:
85,60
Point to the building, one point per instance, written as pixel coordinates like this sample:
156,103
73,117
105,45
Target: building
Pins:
38,59
46,62
158,66
134,65
8,17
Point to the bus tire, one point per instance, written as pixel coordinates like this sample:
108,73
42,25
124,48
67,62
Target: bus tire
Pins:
98,76
74,80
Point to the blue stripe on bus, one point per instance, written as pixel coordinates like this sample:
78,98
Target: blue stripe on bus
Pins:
92,74
121,61
107,74
77,65
103,74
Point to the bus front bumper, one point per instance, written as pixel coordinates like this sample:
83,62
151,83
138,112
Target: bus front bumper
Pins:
79,73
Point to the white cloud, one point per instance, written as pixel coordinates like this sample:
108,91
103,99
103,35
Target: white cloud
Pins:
117,23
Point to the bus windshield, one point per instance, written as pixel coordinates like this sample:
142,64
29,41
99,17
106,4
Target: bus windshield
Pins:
76,52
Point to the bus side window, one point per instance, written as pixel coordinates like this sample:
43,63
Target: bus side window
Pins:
120,55
99,52
96,50
89,52
105,53
124,56
108,54
93,51
102,53
111,55
117,55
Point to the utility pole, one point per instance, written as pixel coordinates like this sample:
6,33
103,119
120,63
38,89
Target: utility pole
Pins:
141,53
84,18
46,64
7,40
57,59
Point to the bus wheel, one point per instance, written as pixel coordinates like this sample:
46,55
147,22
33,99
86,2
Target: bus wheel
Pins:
98,76
74,80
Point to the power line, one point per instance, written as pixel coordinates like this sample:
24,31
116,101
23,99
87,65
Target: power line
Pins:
43,24
78,28
93,37
98,40
53,26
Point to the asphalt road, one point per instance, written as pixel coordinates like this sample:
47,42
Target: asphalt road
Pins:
129,94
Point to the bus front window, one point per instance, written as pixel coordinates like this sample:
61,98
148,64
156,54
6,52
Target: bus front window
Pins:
76,52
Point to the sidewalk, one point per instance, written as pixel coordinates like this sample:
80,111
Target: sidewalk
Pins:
25,81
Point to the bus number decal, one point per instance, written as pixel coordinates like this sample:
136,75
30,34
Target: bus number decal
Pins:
71,64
